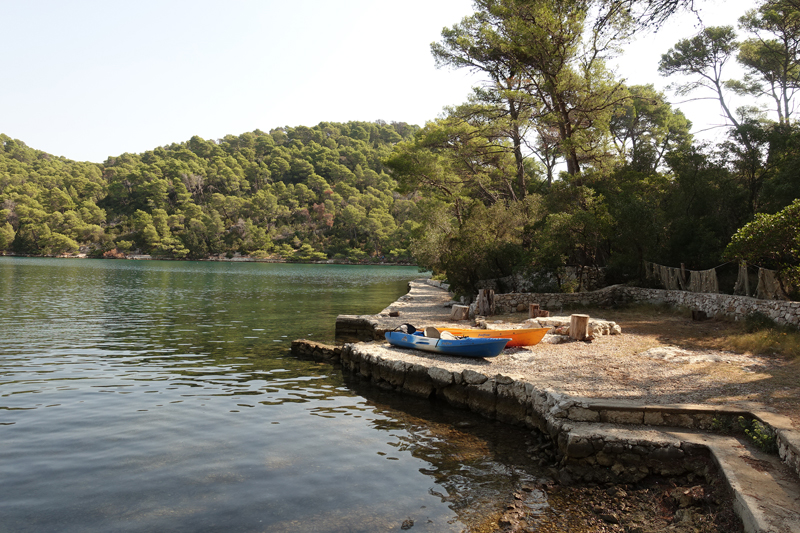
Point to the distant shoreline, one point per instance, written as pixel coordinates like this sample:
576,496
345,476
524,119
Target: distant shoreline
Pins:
235,259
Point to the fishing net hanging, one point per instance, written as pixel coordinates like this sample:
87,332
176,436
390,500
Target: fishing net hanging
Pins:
742,286
769,287
703,281
670,278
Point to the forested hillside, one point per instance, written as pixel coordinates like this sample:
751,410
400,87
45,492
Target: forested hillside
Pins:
553,162
294,193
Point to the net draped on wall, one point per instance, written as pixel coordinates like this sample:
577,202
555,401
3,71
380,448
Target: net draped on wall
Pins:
681,279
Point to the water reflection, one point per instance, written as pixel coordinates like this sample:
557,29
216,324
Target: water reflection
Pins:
476,465
161,396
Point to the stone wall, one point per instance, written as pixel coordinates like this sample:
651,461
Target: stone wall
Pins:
589,279
357,328
588,456
736,307
789,448
553,302
305,349
437,283
587,451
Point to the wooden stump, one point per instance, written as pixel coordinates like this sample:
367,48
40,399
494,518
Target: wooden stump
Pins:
535,312
579,327
460,312
484,305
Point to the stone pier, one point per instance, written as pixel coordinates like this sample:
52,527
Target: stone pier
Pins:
598,440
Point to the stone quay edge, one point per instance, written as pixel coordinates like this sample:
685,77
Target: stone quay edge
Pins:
598,440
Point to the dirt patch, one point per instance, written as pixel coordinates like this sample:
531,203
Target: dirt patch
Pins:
761,466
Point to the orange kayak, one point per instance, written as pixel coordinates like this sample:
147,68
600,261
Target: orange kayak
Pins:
519,337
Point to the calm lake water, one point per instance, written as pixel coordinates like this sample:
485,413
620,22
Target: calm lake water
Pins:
161,396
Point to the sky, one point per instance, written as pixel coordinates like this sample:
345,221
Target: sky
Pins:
90,79
639,64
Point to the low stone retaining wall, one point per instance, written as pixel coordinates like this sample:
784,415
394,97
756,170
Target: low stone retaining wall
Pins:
736,307
437,283
789,448
357,328
305,349
566,419
588,455
360,328
600,441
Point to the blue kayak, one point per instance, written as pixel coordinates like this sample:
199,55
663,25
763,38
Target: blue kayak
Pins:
466,347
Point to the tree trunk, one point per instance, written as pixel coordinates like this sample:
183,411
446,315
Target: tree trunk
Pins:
484,306
460,312
579,327
535,312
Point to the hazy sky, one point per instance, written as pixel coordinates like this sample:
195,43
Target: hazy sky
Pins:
90,79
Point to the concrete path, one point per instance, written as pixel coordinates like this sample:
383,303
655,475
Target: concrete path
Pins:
766,489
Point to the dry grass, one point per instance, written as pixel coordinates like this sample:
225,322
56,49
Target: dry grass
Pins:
769,342
757,337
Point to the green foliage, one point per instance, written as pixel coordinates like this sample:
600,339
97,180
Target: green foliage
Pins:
757,322
771,55
7,234
47,204
488,245
307,253
452,159
638,221
257,193
760,434
645,128
572,233
636,188
724,425
544,67
772,241
703,58
703,207
475,194
780,185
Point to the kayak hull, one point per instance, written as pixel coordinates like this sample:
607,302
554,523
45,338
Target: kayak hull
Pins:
469,347
519,337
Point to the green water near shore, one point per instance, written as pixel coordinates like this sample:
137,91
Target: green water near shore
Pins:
142,396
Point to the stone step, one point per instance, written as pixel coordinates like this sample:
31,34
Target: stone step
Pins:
766,492
618,436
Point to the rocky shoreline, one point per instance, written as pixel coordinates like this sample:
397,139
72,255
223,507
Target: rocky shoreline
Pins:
236,258
599,444
682,492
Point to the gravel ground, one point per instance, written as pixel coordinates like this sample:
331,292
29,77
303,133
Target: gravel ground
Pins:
659,358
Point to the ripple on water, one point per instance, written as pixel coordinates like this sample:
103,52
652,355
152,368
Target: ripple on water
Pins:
160,396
